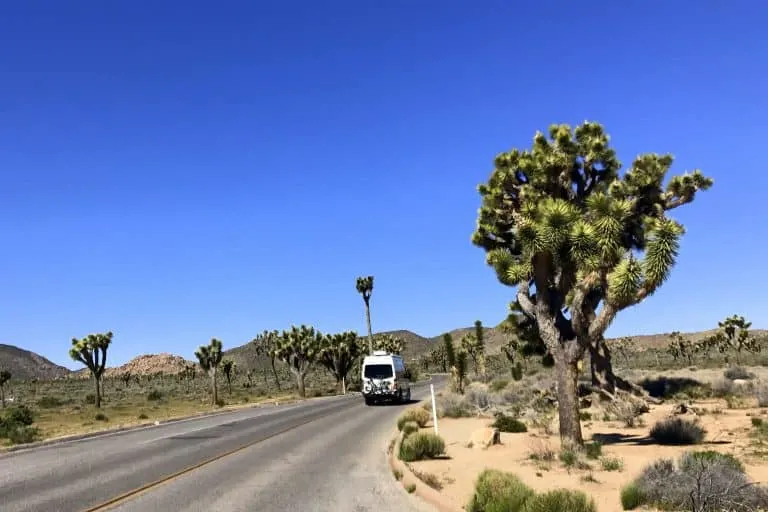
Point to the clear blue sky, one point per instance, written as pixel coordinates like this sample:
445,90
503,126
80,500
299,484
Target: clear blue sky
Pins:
174,171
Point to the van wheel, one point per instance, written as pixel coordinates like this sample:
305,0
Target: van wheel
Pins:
408,395
369,401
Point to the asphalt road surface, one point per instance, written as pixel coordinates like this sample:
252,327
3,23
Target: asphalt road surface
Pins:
320,455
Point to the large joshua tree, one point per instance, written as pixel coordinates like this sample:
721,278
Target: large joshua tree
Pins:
580,242
338,355
299,348
389,343
364,287
92,352
209,356
265,344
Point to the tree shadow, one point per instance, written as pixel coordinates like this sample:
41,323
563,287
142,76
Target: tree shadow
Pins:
665,387
637,440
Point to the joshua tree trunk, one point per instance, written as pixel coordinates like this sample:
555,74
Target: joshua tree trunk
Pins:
97,380
214,388
300,382
368,321
603,377
274,372
566,364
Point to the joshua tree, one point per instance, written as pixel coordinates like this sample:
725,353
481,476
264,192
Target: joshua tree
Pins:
388,342
680,346
228,367
92,352
209,357
299,348
459,371
126,378
364,287
338,355
580,243
266,344
5,376
735,334
439,357
450,350
624,346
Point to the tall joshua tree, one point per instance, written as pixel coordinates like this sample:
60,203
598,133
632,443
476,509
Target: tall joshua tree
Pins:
299,348
5,376
92,352
338,355
266,344
364,287
209,356
735,334
580,242
228,367
389,343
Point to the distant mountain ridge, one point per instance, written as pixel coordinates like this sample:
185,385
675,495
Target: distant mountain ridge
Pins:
24,364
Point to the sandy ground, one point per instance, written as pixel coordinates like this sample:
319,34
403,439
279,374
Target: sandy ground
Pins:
727,431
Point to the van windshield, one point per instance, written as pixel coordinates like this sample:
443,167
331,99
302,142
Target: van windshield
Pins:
378,371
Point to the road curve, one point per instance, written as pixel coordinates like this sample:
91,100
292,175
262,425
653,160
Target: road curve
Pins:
318,455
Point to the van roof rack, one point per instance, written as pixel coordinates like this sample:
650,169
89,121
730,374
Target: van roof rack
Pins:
380,353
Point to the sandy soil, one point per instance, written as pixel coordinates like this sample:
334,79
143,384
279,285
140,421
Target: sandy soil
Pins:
727,431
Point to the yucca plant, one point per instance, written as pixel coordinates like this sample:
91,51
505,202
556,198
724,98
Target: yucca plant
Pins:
299,348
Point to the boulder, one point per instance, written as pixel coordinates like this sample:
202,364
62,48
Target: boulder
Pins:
485,437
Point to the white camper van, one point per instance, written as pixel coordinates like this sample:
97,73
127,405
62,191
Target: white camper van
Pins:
385,378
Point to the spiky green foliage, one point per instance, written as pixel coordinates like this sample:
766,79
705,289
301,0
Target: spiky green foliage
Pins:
266,344
580,241
439,358
228,368
5,376
735,335
625,346
389,342
209,357
522,336
338,355
364,286
92,352
449,349
459,371
680,347
299,348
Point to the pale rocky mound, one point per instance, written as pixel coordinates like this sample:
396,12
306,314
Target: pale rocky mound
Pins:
147,364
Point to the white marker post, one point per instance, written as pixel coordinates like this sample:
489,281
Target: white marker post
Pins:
434,406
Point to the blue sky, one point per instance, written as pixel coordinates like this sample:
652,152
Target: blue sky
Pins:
174,171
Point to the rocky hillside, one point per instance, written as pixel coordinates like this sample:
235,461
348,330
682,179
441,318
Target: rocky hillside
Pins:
147,364
24,364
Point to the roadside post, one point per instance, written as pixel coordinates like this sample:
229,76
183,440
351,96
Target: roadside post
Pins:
434,406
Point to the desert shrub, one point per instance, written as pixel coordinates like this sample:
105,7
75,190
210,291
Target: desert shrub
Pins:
761,393
517,372
415,414
585,415
22,434
612,464
409,427
454,406
410,488
497,491
627,410
420,446
428,478
19,415
593,450
498,385
677,431
143,416
737,372
154,395
632,497
690,460
723,387
49,402
560,500
477,396
90,399
100,416
509,424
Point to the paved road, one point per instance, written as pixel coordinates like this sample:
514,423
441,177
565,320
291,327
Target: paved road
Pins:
319,455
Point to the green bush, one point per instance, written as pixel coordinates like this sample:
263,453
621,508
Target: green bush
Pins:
154,395
415,414
632,497
454,406
498,385
410,427
593,450
90,398
738,372
49,402
677,431
100,416
420,446
561,500
497,491
143,416
22,434
612,464
509,424
517,372
19,415
691,461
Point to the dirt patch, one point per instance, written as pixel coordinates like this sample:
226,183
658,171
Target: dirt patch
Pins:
625,452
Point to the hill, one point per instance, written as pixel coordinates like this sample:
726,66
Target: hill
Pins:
146,364
24,364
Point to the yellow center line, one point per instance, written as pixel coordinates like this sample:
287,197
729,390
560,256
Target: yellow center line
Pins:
147,487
